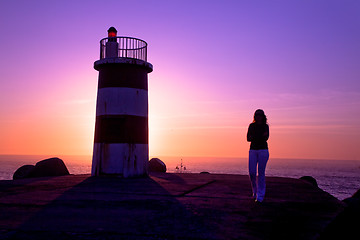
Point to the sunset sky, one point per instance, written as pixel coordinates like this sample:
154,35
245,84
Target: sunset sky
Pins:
215,63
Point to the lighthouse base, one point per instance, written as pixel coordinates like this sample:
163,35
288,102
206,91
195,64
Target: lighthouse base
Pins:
123,159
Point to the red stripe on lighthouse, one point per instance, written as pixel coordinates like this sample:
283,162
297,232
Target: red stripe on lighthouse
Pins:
123,75
121,129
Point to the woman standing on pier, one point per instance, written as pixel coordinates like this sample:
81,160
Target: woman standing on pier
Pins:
258,134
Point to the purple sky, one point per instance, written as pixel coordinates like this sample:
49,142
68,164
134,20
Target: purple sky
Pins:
215,63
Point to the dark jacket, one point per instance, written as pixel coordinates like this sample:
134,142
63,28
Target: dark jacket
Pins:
258,134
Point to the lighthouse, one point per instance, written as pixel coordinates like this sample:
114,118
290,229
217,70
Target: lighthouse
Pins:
121,141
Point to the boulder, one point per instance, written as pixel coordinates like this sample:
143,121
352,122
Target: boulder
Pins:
23,172
346,223
357,194
156,165
310,180
45,168
50,167
354,200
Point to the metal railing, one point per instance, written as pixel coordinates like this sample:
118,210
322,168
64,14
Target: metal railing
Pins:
127,47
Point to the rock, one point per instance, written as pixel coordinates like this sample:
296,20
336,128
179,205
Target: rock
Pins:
50,167
204,173
357,194
346,223
354,200
310,180
45,168
23,172
156,165
166,206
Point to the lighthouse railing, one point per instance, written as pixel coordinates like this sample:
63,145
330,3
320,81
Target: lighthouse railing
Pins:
128,47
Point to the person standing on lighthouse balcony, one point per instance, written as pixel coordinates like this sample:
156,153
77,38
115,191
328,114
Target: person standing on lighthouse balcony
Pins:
258,134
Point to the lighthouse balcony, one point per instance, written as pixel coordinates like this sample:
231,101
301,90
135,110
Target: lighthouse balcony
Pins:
127,50
123,47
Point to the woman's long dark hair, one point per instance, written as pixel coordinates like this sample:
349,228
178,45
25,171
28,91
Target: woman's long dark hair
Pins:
260,112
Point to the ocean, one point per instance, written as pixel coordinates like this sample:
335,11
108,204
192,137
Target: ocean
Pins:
340,178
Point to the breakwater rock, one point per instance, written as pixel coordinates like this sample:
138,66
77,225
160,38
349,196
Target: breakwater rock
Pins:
45,168
156,165
310,180
346,223
162,206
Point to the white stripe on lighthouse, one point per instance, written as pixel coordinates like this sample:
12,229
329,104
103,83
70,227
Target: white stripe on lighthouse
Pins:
122,101
120,158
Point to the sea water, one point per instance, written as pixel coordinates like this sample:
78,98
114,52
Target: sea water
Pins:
340,178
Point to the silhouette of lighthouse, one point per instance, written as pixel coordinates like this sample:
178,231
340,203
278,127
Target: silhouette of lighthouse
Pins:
121,127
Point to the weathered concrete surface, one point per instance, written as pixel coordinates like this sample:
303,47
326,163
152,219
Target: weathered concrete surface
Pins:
163,206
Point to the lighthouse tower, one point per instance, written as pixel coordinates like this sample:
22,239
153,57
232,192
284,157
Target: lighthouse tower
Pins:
121,129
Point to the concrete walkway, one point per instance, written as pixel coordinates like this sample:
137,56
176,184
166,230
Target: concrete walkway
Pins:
163,206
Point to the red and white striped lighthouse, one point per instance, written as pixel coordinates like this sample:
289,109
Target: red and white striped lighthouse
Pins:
121,128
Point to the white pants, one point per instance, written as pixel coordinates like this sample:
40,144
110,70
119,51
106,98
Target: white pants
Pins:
258,158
